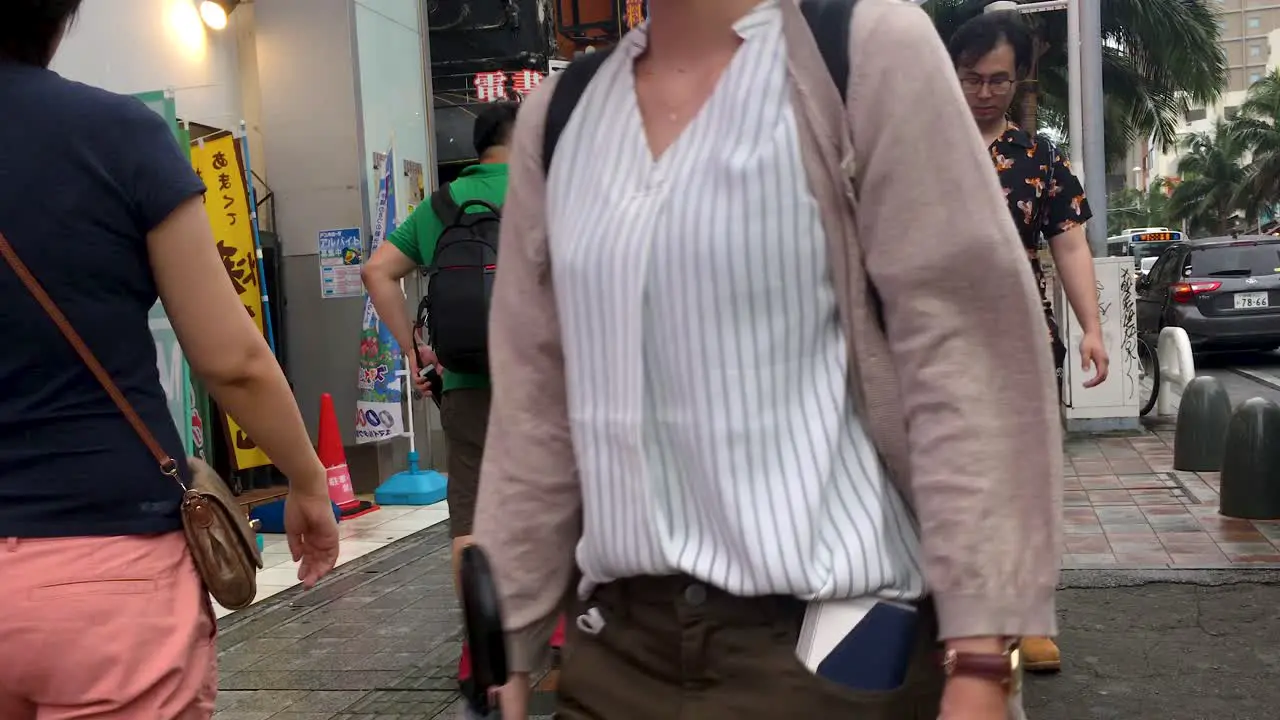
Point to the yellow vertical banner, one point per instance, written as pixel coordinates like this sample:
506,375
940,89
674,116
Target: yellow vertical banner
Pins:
226,200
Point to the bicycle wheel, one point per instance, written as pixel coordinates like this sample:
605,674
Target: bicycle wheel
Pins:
1148,377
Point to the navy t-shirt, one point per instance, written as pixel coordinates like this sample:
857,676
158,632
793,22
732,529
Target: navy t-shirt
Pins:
84,176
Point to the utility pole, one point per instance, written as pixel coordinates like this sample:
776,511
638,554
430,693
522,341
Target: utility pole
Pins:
1074,114
1091,106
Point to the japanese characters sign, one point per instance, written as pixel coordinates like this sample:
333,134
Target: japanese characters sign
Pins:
496,85
218,163
491,86
378,411
341,256
636,12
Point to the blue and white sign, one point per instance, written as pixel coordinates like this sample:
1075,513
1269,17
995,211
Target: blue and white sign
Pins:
341,255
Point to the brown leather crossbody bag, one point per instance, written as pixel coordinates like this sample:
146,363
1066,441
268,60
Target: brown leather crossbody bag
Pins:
222,543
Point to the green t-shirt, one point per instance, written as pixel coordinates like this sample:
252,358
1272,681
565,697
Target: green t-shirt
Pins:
417,236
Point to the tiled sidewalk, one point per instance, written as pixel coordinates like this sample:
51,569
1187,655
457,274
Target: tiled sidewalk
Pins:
358,537
1126,507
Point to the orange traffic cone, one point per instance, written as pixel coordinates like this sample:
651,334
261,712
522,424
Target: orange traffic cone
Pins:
334,459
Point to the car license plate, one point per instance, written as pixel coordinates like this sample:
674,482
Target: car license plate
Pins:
1244,301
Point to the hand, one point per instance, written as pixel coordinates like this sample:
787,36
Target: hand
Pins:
514,697
1093,354
967,698
312,532
424,357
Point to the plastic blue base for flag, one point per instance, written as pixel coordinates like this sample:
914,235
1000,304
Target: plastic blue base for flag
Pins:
412,487
271,515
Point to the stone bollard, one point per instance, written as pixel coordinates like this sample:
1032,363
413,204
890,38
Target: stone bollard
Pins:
1251,462
1203,417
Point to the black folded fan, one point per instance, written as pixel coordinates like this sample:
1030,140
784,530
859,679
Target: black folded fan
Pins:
483,617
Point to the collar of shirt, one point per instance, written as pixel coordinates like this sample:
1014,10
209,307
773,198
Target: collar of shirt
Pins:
1016,136
484,170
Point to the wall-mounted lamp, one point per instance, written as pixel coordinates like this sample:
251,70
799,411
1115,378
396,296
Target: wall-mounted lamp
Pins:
215,12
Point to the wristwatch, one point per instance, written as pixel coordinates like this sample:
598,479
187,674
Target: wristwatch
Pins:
1003,668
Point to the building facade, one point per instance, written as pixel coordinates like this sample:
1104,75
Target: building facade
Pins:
1251,40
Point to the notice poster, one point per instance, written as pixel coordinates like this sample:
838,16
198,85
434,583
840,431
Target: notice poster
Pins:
217,161
341,257
378,411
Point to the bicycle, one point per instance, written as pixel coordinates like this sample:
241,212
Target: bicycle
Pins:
1148,376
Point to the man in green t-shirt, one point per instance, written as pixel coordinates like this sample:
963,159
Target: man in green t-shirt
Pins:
464,405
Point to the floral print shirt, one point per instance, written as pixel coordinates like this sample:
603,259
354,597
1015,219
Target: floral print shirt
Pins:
1044,195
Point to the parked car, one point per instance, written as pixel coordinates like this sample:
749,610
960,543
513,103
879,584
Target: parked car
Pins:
1225,292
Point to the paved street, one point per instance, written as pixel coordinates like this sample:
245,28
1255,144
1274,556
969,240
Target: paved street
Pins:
1245,375
1137,648
380,641
1169,613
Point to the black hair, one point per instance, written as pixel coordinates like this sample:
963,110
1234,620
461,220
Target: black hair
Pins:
980,35
30,29
494,125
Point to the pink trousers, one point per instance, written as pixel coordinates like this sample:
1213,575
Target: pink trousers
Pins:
104,628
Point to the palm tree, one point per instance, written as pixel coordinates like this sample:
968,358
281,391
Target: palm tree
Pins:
1133,207
1159,56
1257,126
1209,195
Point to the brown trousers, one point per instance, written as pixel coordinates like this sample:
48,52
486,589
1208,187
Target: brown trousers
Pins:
464,416
674,649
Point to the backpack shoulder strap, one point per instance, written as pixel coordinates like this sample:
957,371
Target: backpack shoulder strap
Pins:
569,88
829,22
444,206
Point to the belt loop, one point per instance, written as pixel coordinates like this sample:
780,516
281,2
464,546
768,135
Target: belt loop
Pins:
12,544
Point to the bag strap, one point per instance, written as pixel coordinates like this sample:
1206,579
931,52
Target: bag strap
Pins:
572,84
444,206
168,465
1042,213
828,20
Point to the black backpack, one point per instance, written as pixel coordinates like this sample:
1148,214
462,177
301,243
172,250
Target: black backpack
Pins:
455,309
828,20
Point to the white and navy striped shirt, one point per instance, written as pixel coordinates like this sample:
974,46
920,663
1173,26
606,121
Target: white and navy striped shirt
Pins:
706,365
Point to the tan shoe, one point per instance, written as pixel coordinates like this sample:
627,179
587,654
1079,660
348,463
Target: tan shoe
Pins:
1040,655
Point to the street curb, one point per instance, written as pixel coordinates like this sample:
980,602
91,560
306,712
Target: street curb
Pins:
1110,578
1264,379
387,555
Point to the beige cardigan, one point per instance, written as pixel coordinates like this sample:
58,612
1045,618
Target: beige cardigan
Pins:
952,373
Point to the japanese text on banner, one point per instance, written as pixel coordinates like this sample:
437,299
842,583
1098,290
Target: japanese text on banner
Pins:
378,411
218,163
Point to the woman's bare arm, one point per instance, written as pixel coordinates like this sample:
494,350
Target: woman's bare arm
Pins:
225,348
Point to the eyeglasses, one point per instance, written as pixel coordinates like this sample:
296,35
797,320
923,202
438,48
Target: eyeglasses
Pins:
997,86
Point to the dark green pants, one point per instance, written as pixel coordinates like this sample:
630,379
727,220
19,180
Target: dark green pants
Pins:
675,649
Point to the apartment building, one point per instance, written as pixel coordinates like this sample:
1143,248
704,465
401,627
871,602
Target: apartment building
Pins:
1245,26
1251,41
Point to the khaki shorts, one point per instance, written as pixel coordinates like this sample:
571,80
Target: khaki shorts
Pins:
107,628
464,415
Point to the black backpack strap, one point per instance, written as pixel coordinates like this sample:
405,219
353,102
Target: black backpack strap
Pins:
444,206
570,86
829,22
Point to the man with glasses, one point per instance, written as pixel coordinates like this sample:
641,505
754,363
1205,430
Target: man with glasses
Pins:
992,54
